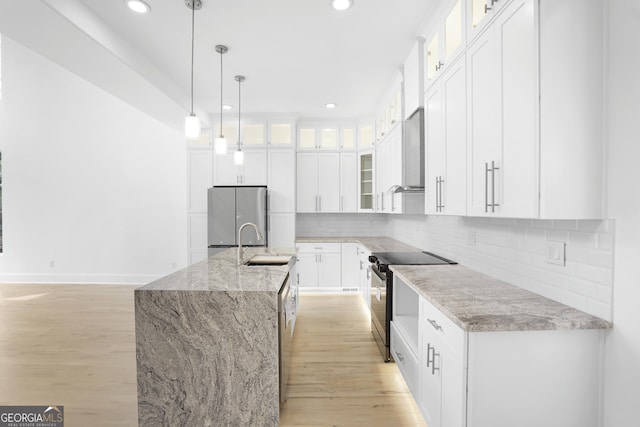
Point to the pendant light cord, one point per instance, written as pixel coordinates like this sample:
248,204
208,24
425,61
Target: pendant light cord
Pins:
239,109
193,14
221,55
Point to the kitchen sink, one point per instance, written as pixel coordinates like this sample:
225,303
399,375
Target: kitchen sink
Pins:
266,260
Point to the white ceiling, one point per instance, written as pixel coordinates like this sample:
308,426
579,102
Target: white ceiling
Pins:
297,55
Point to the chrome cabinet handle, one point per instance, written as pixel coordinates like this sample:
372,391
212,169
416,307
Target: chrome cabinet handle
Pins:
431,358
433,362
439,205
493,205
434,324
494,168
486,185
320,203
298,278
487,8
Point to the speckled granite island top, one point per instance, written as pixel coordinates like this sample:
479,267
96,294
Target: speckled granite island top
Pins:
207,343
220,273
480,303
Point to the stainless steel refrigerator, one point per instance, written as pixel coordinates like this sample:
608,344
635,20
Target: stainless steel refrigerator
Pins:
229,208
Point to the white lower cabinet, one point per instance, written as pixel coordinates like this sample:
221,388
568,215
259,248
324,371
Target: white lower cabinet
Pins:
350,266
405,358
320,266
442,368
528,378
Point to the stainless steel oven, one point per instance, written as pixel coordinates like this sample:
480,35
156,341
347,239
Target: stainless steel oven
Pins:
381,284
382,290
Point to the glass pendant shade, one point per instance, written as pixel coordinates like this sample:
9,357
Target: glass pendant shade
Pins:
238,157
192,126
220,145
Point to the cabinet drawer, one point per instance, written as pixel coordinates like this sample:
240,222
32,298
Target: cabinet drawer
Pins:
319,247
452,335
405,359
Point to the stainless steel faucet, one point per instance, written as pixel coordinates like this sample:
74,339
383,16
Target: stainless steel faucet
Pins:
240,251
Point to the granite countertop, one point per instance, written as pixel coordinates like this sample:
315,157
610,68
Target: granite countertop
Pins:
374,244
220,273
480,303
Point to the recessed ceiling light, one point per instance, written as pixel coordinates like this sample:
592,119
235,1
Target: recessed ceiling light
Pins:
138,6
341,4
227,107
330,105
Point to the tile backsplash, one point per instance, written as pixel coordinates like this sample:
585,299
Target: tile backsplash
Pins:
344,224
513,250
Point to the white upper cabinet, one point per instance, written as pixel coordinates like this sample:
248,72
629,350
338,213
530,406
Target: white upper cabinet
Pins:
366,183
445,41
348,139
328,138
390,107
366,136
414,79
253,134
307,138
348,182
446,139
318,180
281,134
502,119
481,13
252,172
534,119
319,136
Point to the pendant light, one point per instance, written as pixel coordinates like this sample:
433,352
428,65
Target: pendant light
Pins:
220,145
192,125
238,156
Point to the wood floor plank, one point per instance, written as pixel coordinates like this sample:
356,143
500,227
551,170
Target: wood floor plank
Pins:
338,377
74,345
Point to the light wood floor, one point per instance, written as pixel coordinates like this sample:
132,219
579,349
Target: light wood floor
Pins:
74,345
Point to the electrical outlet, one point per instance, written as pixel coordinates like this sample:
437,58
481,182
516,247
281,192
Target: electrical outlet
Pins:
556,253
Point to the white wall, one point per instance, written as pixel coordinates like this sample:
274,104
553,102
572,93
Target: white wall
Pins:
90,183
622,373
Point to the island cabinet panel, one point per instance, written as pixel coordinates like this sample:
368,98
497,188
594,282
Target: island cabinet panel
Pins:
200,363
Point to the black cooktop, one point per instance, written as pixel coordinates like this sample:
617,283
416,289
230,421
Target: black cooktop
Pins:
407,258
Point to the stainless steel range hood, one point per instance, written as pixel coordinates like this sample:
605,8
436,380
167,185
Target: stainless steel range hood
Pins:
412,155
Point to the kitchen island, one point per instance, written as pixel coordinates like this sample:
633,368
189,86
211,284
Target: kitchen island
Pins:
207,343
